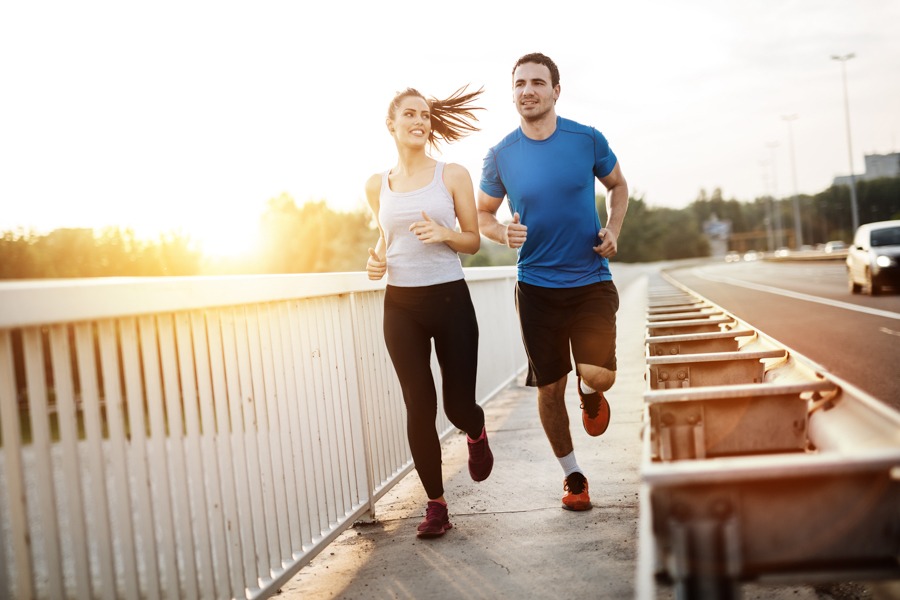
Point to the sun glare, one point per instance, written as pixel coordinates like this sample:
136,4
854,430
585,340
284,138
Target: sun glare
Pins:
220,240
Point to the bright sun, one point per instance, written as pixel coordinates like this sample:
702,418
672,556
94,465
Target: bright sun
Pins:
224,239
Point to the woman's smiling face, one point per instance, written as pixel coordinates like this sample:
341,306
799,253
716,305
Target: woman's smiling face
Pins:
412,122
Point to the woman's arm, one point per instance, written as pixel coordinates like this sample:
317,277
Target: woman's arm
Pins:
468,239
376,265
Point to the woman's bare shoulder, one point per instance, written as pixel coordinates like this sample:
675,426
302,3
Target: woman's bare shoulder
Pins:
373,183
456,172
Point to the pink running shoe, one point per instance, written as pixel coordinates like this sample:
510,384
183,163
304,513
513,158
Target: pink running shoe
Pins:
436,521
481,459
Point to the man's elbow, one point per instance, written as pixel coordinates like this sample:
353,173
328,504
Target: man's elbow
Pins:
486,221
621,190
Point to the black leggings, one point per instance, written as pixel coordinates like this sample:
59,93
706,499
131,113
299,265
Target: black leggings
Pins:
412,317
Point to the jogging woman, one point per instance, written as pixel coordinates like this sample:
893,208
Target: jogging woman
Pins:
417,205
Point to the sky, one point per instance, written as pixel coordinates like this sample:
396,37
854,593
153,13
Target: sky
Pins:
189,116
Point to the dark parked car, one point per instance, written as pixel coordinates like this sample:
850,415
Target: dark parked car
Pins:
873,261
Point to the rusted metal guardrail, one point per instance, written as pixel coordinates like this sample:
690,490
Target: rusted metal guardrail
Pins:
758,465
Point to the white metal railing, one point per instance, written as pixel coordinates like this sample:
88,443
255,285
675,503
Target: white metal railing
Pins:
202,437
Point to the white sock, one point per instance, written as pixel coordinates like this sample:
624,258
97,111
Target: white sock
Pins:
585,388
568,463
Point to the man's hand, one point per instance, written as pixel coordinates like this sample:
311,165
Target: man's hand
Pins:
516,233
609,244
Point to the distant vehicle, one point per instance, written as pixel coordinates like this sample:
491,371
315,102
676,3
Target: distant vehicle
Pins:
834,246
733,256
873,261
752,255
782,252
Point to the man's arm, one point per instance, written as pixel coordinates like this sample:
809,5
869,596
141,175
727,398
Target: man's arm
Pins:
616,207
512,235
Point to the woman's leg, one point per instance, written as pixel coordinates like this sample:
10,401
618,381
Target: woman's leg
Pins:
409,346
456,346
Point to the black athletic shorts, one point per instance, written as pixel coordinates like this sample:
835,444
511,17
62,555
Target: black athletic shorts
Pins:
553,320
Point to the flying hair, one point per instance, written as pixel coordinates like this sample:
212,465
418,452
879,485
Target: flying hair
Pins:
452,118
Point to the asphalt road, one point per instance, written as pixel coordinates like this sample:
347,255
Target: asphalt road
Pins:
807,307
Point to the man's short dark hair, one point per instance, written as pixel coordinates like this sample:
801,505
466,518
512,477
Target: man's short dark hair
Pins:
540,59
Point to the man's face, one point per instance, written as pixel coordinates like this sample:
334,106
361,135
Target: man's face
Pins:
533,93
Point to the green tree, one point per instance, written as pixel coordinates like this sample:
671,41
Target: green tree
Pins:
84,253
313,238
652,234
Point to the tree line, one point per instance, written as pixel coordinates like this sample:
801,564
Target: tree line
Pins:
314,238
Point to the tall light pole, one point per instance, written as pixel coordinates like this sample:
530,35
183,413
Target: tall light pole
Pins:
763,164
853,207
777,209
798,227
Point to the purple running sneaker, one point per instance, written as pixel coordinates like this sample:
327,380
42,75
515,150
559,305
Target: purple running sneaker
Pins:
481,459
436,521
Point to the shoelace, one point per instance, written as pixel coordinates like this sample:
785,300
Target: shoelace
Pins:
435,512
575,483
591,404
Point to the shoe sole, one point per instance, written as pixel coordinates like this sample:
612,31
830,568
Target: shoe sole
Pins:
480,480
434,534
578,507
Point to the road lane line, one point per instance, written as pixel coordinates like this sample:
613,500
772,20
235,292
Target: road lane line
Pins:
797,295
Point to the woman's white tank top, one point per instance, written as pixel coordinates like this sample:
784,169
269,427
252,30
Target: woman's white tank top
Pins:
410,262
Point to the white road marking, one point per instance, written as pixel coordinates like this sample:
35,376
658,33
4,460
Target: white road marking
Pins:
889,331
796,295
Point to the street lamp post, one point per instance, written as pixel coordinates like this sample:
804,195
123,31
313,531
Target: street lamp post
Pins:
777,209
854,210
763,164
798,226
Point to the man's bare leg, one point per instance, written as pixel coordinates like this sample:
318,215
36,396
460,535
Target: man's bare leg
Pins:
554,417
598,378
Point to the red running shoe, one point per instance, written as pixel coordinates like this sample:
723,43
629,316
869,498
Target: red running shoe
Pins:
436,521
595,412
576,496
481,459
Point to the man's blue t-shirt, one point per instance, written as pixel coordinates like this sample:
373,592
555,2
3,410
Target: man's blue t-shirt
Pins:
550,183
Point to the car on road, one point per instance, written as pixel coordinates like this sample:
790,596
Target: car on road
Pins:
873,260
750,255
835,246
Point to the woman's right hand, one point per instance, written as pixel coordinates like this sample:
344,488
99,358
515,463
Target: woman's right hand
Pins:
375,266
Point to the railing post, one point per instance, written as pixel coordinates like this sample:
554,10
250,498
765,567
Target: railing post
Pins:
354,386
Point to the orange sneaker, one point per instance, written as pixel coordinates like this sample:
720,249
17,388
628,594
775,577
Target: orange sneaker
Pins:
595,412
576,496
